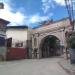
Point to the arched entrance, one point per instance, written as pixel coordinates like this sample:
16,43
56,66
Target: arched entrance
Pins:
50,46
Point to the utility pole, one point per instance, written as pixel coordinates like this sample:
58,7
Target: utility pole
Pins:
1,5
70,5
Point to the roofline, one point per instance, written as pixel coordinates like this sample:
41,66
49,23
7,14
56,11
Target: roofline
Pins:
52,23
17,27
61,19
5,21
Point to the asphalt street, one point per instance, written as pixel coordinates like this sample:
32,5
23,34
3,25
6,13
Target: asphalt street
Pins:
47,66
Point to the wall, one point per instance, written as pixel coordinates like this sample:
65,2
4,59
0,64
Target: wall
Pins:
55,25
57,29
18,35
2,44
16,53
3,53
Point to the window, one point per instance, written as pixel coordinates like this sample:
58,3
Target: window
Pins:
19,44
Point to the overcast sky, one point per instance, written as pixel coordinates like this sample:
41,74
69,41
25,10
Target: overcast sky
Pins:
30,12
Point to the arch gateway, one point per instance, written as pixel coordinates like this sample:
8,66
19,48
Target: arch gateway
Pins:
41,38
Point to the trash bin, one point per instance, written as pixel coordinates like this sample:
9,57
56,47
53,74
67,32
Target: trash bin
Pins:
72,56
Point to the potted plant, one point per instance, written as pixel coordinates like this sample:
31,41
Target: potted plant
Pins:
71,46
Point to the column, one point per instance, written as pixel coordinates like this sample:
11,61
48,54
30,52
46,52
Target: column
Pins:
38,51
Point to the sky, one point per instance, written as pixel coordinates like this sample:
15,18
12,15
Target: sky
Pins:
31,12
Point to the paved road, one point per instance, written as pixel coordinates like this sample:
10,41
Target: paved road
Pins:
47,66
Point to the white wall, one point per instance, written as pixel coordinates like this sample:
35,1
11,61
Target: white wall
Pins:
18,35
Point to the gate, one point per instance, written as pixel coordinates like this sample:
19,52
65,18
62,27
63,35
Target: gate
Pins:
16,53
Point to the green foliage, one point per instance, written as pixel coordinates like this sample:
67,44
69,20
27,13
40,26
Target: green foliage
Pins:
71,41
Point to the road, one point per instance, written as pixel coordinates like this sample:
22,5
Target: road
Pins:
48,66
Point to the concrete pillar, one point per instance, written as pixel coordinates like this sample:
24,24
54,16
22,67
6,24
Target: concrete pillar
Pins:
38,54
3,53
32,54
33,46
38,43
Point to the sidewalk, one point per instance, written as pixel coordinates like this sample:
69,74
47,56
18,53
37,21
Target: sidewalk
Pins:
67,66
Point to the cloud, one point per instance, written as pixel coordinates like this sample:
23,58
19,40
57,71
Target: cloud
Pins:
5,1
19,17
60,2
37,18
7,14
46,5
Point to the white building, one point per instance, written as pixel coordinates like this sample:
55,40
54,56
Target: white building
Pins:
18,35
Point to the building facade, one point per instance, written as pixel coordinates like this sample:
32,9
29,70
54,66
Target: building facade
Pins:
3,24
42,36
18,35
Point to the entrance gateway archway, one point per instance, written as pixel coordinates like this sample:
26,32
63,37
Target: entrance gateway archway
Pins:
47,39
50,46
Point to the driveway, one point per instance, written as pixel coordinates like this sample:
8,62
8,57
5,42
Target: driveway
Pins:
48,66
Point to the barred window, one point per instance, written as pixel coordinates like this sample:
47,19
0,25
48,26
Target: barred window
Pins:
19,44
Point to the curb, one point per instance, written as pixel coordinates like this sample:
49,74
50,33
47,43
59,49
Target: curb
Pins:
70,72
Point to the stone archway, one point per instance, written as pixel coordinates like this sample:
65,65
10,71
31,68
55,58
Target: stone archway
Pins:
56,30
50,46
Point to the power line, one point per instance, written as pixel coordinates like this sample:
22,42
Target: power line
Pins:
70,5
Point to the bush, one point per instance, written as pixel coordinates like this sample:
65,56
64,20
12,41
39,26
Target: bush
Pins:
71,41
